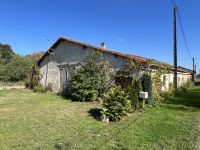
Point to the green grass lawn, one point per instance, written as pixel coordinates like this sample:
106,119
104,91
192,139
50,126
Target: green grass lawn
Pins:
46,121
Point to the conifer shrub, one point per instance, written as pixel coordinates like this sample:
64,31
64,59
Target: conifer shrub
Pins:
86,80
139,88
115,104
138,85
133,96
147,87
129,105
106,76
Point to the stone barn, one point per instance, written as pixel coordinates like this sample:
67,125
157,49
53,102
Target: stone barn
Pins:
65,55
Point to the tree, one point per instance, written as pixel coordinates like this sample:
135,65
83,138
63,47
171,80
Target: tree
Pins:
13,67
19,68
106,76
6,53
86,80
138,86
36,55
134,94
32,78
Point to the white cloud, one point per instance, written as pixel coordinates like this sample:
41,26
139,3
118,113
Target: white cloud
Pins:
121,40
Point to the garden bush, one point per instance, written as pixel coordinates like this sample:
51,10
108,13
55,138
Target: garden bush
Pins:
138,85
106,76
33,78
147,87
115,104
139,89
49,87
40,89
157,86
16,69
133,96
86,80
184,87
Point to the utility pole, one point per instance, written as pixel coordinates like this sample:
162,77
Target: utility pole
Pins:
175,52
193,70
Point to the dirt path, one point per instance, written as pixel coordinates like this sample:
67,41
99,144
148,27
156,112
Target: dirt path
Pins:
12,87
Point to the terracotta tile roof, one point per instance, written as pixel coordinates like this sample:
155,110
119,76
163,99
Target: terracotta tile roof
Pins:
185,69
134,57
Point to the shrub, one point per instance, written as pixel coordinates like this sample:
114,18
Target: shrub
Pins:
169,93
133,96
13,67
157,86
185,86
40,89
33,78
129,105
115,104
6,53
49,87
86,80
138,85
16,69
106,76
147,87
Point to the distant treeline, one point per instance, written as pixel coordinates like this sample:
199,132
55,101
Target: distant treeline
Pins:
14,67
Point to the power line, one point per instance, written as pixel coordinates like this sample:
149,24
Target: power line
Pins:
26,30
184,36
184,59
182,29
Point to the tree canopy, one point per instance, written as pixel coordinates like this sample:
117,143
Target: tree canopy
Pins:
6,53
14,67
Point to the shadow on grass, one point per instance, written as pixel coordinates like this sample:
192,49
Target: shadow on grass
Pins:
190,98
95,113
176,107
66,97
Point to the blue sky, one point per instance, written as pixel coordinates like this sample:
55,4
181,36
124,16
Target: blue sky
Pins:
141,27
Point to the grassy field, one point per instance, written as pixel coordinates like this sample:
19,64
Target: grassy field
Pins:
46,121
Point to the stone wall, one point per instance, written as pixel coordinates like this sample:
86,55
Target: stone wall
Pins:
169,79
67,53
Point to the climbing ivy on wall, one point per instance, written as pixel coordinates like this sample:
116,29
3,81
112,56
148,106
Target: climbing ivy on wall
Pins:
157,82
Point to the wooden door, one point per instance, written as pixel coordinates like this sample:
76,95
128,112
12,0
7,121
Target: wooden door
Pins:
65,80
